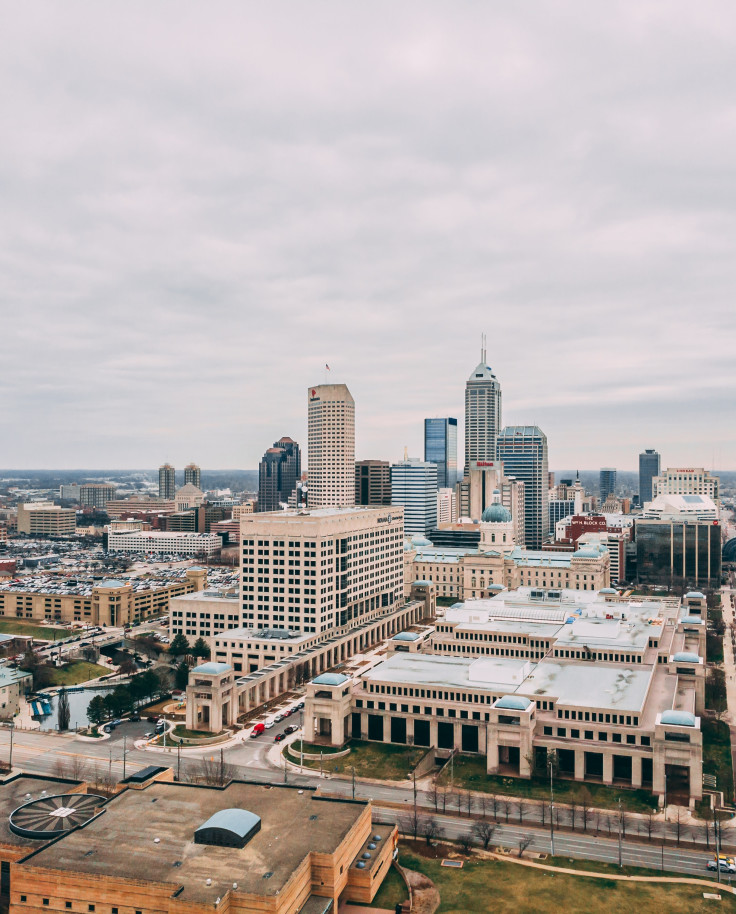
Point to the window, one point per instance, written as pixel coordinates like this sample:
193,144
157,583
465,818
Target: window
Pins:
46,902
548,731
575,734
631,739
561,731
589,734
646,741
90,907
616,737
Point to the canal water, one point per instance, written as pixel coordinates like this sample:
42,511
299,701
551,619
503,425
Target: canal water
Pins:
78,704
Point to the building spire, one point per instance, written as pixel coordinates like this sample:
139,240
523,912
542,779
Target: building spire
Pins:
483,356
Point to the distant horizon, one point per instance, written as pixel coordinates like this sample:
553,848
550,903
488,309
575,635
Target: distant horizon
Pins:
204,469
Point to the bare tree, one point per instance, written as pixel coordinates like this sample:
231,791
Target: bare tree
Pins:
522,807
102,780
543,812
466,841
681,831
649,825
430,830
483,830
459,801
584,799
434,793
493,803
524,844
213,772
469,802
73,767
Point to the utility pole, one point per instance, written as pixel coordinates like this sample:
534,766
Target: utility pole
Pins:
353,767
12,731
551,766
415,794
125,753
620,823
178,761
717,835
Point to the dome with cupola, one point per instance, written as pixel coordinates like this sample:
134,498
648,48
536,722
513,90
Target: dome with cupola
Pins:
496,513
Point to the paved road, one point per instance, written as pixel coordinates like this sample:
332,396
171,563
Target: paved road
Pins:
48,753
577,847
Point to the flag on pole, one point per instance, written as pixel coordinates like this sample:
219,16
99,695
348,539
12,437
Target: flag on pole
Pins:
327,366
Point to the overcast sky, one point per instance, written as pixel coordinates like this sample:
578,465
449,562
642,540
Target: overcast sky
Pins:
202,204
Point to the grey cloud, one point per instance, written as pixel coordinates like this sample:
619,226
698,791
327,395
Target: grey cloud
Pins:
203,206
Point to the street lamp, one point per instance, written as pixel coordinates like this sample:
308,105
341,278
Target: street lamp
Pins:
620,824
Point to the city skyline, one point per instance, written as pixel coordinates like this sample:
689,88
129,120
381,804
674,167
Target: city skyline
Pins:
374,199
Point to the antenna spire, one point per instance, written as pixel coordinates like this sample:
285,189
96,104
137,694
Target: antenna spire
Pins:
483,356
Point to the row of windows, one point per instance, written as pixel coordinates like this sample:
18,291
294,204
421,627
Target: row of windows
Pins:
46,902
602,736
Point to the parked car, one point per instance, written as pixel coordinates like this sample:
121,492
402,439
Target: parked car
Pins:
279,737
299,707
148,735
257,730
727,865
292,728
278,718
268,725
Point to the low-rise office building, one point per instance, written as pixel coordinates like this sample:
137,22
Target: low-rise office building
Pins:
112,602
124,507
467,573
183,849
618,691
46,519
170,543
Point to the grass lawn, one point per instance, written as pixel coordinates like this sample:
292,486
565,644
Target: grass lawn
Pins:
75,672
373,760
296,748
507,888
717,754
392,891
183,733
470,774
31,629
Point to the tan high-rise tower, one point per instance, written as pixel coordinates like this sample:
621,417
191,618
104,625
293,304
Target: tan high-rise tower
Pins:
331,447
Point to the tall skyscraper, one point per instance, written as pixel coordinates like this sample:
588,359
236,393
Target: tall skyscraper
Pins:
523,450
331,441
278,473
166,481
440,447
607,482
649,467
372,482
482,413
414,485
193,475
